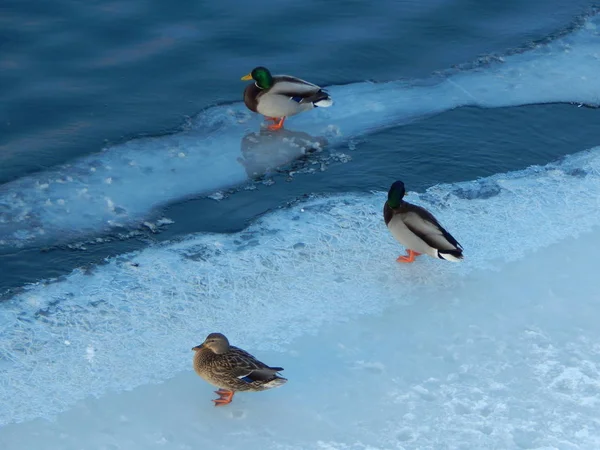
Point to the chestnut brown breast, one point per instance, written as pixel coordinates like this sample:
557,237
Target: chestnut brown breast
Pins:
251,96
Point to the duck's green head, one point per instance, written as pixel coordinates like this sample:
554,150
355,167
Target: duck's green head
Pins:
216,342
395,194
262,76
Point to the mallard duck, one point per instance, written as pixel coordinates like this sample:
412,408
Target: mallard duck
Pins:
281,96
232,369
417,230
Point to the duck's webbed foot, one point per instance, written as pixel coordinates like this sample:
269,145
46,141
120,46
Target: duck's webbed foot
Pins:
409,257
225,397
277,125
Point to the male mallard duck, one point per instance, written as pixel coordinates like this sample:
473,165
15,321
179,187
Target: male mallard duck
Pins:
417,230
281,96
232,369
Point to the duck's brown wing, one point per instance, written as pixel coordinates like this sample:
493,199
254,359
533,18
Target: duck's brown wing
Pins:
246,367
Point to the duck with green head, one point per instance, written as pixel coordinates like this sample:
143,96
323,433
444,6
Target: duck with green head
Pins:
417,230
280,96
232,369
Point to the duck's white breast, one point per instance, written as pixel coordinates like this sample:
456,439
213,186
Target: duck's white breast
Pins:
407,238
279,106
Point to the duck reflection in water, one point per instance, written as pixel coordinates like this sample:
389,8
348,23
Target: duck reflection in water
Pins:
265,151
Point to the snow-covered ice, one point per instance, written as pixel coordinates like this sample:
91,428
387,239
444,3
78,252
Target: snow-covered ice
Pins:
499,351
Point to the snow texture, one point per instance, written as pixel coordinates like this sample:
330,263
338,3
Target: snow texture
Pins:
319,266
500,351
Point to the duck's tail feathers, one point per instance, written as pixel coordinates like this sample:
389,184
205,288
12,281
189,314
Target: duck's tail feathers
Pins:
321,99
275,382
451,255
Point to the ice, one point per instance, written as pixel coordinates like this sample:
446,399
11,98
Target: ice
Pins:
499,351
506,358
123,185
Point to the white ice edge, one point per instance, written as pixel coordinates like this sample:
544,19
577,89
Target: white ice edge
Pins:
322,261
126,183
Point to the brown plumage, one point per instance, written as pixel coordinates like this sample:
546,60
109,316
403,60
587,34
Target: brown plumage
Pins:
232,369
251,94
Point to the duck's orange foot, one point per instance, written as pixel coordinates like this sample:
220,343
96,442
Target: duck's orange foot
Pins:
272,119
410,257
225,397
276,126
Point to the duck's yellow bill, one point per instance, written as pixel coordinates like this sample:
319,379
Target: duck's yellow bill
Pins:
247,77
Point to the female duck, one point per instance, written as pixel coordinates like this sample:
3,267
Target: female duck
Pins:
232,369
281,96
417,230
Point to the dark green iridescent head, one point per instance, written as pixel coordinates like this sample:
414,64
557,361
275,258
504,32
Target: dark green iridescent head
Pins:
262,76
395,194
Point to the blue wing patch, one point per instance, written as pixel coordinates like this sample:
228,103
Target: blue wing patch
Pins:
297,99
247,379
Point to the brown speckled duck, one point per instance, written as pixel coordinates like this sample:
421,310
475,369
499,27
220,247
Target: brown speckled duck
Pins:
281,96
417,230
232,369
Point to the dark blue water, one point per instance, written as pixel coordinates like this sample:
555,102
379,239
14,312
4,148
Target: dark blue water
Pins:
76,77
